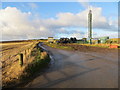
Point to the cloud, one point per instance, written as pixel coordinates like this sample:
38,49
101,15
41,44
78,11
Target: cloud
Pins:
84,3
16,25
81,19
77,35
32,5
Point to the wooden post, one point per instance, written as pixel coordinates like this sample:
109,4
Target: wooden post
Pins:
21,59
28,53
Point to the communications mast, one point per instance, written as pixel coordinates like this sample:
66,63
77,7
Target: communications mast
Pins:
90,26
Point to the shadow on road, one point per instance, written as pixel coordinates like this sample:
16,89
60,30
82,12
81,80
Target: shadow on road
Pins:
76,69
52,83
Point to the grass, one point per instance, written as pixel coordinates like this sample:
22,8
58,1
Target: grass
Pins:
100,45
38,63
10,63
31,69
59,46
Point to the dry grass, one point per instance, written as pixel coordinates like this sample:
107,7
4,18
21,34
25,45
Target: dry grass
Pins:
59,46
100,45
10,58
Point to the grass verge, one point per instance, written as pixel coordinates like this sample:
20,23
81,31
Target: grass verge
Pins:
68,47
59,46
41,60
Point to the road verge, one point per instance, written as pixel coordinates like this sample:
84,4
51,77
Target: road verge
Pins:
40,60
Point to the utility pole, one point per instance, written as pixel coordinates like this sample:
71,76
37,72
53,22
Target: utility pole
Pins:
90,26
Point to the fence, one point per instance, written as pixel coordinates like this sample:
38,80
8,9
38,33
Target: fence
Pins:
21,55
14,64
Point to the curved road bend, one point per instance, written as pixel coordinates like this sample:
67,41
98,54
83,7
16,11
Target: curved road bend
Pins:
72,69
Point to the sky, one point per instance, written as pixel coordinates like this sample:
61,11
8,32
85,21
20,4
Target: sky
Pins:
39,20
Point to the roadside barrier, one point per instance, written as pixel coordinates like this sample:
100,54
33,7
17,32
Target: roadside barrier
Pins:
15,63
22,55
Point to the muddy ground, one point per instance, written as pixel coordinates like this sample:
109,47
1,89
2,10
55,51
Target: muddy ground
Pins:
84,48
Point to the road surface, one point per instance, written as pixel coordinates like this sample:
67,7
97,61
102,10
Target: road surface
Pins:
73,69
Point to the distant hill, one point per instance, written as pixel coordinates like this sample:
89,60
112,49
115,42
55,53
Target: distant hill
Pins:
16,41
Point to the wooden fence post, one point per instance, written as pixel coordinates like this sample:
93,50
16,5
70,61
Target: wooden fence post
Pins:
21,59
28,54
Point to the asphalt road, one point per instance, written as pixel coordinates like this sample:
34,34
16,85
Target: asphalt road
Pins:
72,69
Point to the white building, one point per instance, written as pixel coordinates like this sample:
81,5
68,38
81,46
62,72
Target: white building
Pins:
50,39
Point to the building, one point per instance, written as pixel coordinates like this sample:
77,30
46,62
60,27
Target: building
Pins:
50,39
82,41
100,40
95,40
103,39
